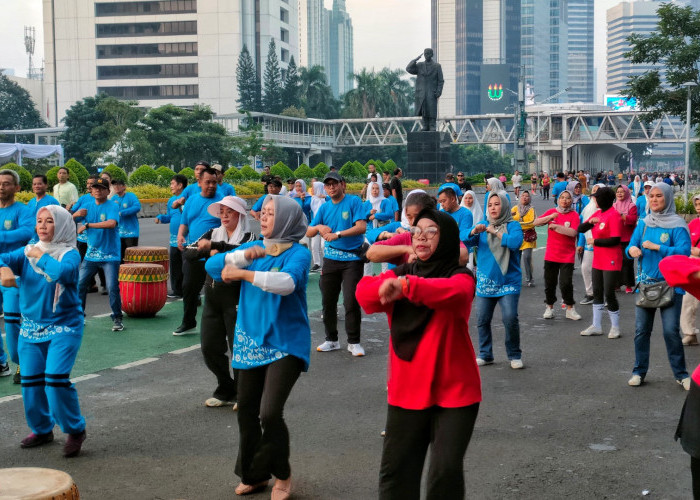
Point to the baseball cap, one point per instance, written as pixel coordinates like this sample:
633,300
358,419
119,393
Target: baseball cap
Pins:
217,167
649,183
101,183
335,176
232,202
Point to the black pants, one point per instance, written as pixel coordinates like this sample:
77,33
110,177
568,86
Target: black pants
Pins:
695,471
604,284
82,250
408,434
563,274
194,275
218,323
176,271
128,242
264,438
627,273
335,275
545,192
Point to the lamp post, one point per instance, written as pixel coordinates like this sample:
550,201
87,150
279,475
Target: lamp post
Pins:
689,86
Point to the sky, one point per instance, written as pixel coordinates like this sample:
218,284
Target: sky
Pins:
386,33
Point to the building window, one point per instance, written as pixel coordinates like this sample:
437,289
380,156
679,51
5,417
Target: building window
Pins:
284,55
152,92
147,50
145,8
284,15
284,35
147,71
146,29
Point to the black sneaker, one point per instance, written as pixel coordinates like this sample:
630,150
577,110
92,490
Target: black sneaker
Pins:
185,330
174,296
588,299
117,326
36,440
315,268
17,377
5,370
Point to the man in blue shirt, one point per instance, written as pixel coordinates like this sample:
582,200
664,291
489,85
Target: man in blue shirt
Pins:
449,203
341,223
172,216
272,187
129,208
194,222
39,186
193,188
224,188
16,228
101,221
559,186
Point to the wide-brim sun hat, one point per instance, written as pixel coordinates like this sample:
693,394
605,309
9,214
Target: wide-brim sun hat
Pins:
232,202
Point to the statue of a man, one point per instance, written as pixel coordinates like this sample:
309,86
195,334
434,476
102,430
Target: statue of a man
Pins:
429,83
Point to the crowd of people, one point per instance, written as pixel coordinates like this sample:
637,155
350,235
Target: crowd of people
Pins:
438,254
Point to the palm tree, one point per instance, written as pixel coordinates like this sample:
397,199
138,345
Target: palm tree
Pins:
316,95
397,93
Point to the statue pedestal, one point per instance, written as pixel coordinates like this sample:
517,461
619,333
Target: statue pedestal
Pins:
428,156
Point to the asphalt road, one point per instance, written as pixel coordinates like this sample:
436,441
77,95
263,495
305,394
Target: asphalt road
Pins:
567,426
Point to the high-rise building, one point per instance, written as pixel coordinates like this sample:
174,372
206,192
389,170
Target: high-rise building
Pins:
477,42
318,37
581,74
182,52
341,49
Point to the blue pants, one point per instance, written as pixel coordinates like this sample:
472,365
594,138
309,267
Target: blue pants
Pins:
47,391
10,301
88,269
509,312
670,321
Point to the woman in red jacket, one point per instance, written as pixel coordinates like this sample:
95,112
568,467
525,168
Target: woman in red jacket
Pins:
434,387
624,204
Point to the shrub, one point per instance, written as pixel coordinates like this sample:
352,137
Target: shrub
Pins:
389,166
250,187
143,175
25,178
683,207
249,174
24,196
359,168
82,173
115,172
380,165
476,179
164,176
150,191
320,170
411,184
303,172
189,173
347,170
52,176
233,175
282,170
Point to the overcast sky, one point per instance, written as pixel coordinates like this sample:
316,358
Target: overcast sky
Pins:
387,32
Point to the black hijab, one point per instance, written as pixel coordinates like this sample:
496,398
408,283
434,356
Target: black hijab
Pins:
408,319
605,197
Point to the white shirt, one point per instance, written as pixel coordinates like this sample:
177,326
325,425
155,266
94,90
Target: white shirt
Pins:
516,179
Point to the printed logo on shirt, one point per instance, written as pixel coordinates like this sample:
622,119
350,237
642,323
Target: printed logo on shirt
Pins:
664,237
275,269
567,224
601,225
103,217
346,215
8,224
124,205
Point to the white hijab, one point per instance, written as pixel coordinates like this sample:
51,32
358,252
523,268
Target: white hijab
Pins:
475,209
319,197
376,201
221,234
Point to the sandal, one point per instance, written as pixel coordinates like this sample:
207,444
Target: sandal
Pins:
282,490
247,489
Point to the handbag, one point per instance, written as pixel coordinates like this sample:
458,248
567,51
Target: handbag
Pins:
530,235
655,295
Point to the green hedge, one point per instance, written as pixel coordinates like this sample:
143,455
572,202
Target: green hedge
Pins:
303,172
165,174
282,170
115,172
143,175
233,175
249,174
320,170
189,173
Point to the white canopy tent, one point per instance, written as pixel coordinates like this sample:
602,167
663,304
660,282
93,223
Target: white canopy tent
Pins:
34,151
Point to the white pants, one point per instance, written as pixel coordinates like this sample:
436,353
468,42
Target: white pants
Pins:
317,244
689,309
587,271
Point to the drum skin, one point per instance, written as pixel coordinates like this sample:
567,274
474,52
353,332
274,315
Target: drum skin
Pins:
143,289
35,483
148,255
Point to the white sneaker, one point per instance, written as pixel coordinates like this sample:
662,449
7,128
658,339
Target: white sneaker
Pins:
356,350
483,362
548,313
516,364
614,333
591,330
685,383
636,381
328,345
572,314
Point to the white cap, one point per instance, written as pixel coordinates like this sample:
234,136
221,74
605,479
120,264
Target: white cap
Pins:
648,183
232,202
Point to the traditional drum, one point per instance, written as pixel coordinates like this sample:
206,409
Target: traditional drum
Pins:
148,255
34,483
143,288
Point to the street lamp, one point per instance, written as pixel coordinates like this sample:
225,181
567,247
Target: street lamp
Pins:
690,86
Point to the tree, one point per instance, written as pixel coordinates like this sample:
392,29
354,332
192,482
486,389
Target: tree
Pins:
248,82
272,80
316,95
475,159
292,83
378,94
17,110
81,140
363,100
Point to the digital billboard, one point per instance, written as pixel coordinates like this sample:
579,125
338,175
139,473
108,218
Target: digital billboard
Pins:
620,102
495,81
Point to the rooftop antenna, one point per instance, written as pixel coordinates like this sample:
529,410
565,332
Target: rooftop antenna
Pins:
29,43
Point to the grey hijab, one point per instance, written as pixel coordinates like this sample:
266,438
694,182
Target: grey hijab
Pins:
290,221
500,253
667,218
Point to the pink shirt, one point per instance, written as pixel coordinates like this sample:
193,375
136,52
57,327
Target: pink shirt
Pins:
561,248
694,228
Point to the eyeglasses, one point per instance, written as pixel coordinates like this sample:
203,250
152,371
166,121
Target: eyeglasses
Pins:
429,233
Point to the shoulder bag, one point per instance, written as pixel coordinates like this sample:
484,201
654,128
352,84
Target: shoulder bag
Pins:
655,295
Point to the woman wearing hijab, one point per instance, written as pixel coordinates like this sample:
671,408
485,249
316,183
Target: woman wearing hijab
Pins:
471,203
605,226
690,303
301,196
628,213
221,299
498,277
318,198
493,185
273,340
434,388
525,214
578,199
378,211
585,247
636,187
52,328
662,233
560,254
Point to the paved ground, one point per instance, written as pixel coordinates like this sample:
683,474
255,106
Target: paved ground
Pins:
567,426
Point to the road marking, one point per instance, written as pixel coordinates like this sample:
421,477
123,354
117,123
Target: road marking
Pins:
84,377
135,363
102,315
7,399
186,349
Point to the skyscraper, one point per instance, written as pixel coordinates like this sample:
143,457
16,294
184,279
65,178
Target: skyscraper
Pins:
581,76
341,53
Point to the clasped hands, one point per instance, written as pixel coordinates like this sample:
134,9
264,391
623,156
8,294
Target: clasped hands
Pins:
232,273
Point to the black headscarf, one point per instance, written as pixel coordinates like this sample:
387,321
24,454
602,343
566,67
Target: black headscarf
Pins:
408,319
605,197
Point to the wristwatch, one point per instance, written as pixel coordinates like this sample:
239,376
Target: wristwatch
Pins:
337,233
87,225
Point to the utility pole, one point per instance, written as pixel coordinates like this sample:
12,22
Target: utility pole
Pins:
520,125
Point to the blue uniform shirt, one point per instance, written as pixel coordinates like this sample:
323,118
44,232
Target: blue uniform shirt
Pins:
226,189
83,202
129,207
172,216
465,220
339,217
17,225
196,217
490,281
104,245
